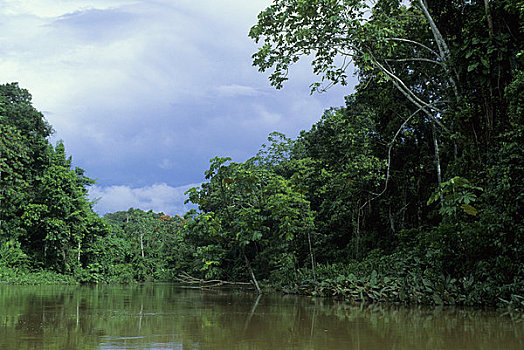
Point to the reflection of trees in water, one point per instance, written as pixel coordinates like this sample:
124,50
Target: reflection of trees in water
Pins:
71,317
433,327
41,317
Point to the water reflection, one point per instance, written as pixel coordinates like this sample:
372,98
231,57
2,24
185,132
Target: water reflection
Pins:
163,316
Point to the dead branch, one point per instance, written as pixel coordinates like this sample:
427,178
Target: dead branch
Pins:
185,278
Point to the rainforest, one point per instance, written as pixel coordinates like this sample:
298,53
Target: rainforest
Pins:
411,193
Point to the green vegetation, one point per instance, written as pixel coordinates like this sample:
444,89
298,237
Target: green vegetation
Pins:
410,193
46,221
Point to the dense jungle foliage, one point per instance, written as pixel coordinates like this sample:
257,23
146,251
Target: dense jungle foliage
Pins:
411,192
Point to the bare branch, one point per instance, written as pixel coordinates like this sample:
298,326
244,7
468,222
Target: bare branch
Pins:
410,95
441,44
188,279
390,146
414,59
415,43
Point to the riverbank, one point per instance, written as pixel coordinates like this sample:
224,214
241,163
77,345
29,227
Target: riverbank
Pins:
41,277
403,278
407,290
374,288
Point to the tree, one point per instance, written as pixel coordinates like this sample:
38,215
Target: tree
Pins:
345,175
19,112
253,218
147,242
434,54
56,217
374,37
388,42
13,182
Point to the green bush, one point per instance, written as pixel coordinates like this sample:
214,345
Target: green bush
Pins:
11,255
42,277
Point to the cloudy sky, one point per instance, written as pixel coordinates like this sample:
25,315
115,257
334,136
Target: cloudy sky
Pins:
144,92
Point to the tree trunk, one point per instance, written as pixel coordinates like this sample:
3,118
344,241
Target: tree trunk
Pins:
142,245
253,278
313,265
357,231
437,158
313,270
442,47
437,162
391,220
489,19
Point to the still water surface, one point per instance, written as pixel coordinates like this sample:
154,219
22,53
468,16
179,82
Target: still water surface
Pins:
164,316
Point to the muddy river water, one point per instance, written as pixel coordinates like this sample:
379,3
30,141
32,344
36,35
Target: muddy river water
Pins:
165,316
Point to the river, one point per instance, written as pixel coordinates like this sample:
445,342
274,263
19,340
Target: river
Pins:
164,316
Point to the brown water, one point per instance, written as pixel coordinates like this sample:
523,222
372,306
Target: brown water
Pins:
162,316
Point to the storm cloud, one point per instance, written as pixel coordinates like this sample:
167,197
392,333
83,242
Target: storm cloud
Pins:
144,93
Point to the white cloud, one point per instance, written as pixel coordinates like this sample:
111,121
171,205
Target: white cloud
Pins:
166,164
261,118
234,90
158,197
55,8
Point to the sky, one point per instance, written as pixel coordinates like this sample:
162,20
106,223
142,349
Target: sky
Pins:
144,92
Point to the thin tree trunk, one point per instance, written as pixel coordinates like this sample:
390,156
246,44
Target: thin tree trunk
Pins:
313,265
313,270
253,278
442,47
359,210
391,221
437,162
437,158
64,258
489,19
142,245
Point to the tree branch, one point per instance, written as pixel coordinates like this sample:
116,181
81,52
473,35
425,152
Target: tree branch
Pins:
184,277
390,146
414,59
416,43
410,95
442,46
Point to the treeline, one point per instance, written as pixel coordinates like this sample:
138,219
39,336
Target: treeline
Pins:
48,229
411,192
45,217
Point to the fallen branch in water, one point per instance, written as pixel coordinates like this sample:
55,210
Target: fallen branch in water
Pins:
188,279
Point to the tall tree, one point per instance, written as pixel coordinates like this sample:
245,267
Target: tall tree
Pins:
57,215
433,53
43,200
254,218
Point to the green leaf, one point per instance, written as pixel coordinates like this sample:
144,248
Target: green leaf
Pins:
468,209
437,299
485,61
473,66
